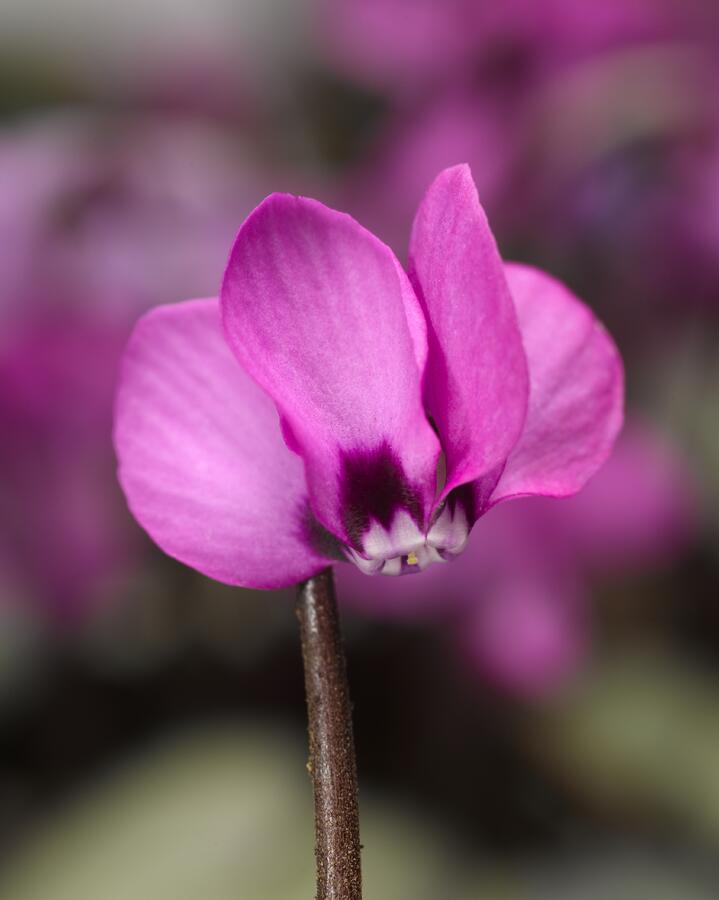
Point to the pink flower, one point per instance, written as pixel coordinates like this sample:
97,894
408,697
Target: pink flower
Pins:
64,541
408,46
518,599
121,211
534,96
465,123
408,406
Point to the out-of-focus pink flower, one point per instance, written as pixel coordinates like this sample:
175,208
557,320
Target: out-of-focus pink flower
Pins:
692,225
63,536
413,404
38,162
571,115
99,219
529,634
518,597
639,511
406,46
395,43
465,124
120,213
613,150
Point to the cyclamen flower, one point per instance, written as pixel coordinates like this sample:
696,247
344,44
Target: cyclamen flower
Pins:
332,407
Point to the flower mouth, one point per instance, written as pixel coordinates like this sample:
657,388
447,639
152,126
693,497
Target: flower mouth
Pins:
404,550
409,563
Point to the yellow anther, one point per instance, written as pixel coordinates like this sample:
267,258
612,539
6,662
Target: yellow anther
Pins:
412,559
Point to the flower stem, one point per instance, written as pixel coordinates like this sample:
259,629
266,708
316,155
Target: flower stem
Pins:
332,764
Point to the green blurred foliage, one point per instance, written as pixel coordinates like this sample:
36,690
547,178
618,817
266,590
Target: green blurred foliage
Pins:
217,814
224,812
638,736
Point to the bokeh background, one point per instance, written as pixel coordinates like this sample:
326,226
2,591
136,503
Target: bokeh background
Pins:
539,719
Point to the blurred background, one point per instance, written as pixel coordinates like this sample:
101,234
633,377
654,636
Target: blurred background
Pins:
538,720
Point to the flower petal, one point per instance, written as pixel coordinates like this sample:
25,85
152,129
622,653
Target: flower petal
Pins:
576,391
476,380
202,460
321,314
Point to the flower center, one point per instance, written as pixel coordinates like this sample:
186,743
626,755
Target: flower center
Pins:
403,548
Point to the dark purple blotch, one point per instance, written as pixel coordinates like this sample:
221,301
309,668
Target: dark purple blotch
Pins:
474,496
464,497
374,487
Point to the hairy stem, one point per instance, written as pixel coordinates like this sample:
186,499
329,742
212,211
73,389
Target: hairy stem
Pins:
332,763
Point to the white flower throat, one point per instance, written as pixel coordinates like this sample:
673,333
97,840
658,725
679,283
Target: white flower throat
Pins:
403,548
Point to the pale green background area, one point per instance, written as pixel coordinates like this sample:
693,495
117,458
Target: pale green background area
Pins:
224,813
220,814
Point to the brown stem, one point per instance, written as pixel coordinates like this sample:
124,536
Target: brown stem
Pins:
332,763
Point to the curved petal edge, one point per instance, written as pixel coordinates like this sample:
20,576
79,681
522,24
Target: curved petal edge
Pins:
576,394
476,382
320,312
201,457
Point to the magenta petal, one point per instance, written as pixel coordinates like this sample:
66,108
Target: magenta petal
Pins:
321,314
576,391
202,460
476,381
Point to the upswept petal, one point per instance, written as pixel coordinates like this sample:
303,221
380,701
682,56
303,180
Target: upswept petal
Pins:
476,383
202,460
321,314
576,391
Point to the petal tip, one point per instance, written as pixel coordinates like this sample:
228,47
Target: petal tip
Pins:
461,171
454,178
